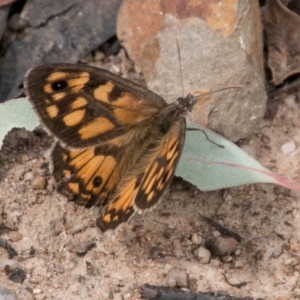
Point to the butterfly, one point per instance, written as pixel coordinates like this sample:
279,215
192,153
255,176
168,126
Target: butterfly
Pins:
117,144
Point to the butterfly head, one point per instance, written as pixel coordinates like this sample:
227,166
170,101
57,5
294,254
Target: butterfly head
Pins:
186,103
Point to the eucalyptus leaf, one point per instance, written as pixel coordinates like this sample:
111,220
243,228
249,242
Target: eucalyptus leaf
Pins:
16,113
212,162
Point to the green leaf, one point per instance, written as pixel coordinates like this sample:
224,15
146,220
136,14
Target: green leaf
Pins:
16,113
211,167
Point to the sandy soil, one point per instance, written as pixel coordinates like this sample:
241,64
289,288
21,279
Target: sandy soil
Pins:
65,256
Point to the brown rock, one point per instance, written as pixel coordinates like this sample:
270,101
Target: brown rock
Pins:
220,46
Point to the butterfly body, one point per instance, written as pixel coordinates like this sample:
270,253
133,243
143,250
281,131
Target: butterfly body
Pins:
117,144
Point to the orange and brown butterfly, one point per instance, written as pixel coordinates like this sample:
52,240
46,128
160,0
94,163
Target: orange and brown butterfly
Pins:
117,144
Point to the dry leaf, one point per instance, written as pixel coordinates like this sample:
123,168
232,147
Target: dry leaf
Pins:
283,36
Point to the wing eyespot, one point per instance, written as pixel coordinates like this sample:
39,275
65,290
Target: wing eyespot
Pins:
59,85
97,181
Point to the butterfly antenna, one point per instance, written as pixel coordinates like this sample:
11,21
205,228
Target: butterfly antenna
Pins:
180,66
219,90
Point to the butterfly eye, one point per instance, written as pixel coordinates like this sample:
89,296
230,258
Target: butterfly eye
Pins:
59,85
97,181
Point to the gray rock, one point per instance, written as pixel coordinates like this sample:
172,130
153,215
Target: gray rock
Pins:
64,33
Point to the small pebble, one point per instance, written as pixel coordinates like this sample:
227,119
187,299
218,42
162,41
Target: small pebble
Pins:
83,247
238,264
114,69
221,246
250,149
290,101
288,147
227,258
215,263
39,200
47,154
38,183
28,176
35,279
196,239
37,291
238,252
203,255
24,157
177,249
216,233
227,196
177,277
14,236
168,233
99,56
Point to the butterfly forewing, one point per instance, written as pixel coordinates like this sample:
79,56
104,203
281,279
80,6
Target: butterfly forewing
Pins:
84,106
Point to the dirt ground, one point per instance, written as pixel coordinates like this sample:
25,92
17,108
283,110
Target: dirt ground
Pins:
65,256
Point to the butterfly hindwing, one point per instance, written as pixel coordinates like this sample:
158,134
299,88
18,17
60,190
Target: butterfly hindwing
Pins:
160,172
84,106
143,187
85,176
121,208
